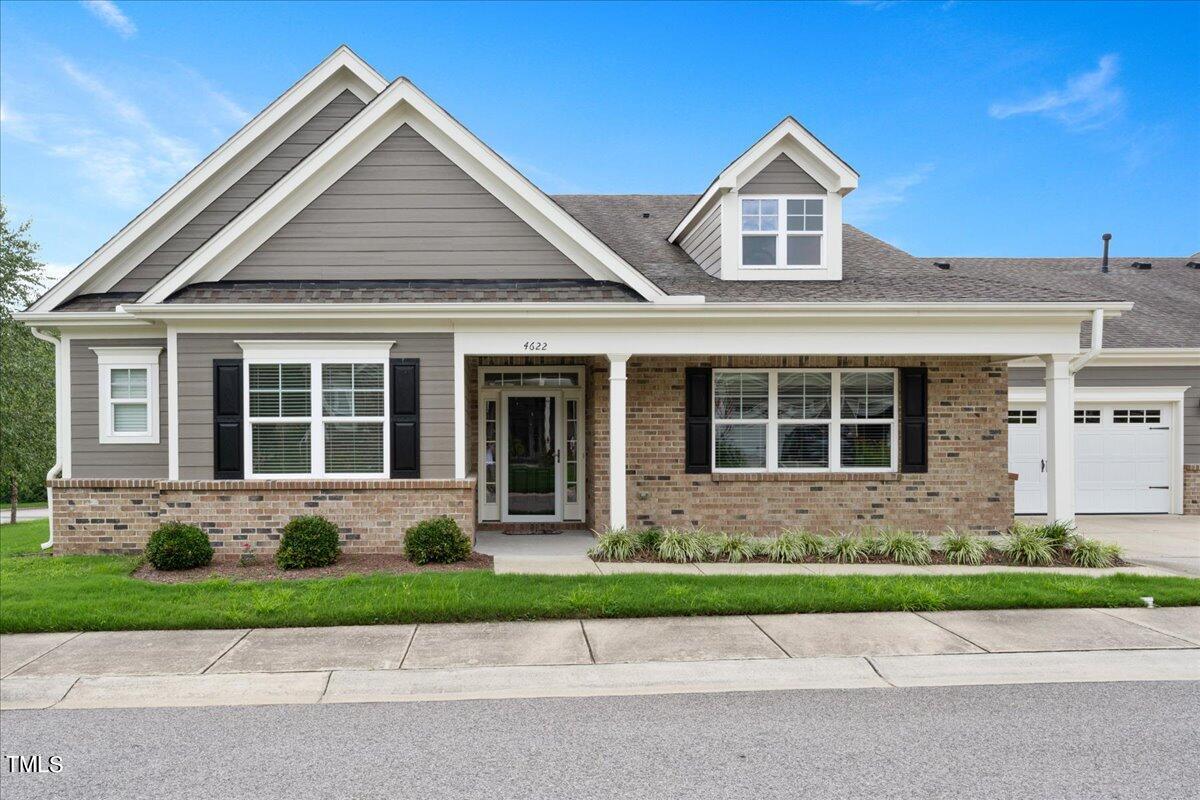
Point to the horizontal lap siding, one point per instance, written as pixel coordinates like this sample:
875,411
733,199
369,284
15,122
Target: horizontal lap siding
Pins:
238,196
405,211
703,244
196,354
90,458
783,176
1137,376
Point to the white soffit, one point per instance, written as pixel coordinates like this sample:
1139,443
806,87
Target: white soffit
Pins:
342,70
402,103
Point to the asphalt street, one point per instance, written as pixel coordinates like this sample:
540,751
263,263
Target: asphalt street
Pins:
1112,740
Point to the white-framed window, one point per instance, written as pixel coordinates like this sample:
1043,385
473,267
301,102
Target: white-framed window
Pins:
804,420
316,409
128,384
783,232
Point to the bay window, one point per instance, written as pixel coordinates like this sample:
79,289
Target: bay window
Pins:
804,420
785,232
317,410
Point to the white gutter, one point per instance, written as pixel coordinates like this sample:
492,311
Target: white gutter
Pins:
1097,342
56,470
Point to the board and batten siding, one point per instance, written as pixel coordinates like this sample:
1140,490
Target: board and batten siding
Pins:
90,458
405,211
703,243
242,193
782,176
1136,376
197,351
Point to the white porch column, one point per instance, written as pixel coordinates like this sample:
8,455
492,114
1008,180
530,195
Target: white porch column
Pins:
460,412
172,404
1060,438
616,439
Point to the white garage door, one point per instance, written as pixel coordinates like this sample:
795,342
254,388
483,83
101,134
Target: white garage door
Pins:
1122,459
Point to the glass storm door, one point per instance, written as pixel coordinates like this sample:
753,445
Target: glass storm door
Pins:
532,457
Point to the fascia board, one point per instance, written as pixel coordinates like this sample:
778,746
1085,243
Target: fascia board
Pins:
401,102
355,74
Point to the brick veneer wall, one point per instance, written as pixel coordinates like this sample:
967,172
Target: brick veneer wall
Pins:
1191,489
968,485
117,516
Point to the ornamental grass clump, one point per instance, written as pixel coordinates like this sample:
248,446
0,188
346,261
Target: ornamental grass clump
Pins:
1093,553
1059,534
734,547
648,541
792,546
684,546
964,548
1027,545
846,548
615,545
904,547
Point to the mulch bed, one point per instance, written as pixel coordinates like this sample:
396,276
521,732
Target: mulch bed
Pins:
993,558
347,564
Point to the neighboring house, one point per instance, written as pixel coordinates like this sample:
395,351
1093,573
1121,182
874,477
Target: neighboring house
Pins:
355,308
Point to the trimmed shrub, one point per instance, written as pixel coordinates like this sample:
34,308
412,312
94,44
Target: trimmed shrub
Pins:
792,546
683,546
734,547
617,545
649,540
847,548
964,548
308,542
1093,553
1027,545
177,546
904,547
438,540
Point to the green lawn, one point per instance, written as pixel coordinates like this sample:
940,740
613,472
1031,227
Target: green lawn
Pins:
40,593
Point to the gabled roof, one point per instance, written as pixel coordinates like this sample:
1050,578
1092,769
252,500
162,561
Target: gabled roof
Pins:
342,70
401,103
790,138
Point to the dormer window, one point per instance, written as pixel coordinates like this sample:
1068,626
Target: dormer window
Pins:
783,232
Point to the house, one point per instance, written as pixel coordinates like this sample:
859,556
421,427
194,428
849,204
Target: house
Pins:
355,308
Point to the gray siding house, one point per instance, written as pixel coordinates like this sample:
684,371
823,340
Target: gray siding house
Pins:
354,307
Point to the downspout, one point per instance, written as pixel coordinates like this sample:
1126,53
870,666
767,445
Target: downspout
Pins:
1097,342
56,470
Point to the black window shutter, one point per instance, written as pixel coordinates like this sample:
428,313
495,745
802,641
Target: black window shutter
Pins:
406,417
228,459
914,424
698,424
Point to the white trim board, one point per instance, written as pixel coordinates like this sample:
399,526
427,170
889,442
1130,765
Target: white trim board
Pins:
134,358
402,103
340,71
1133,357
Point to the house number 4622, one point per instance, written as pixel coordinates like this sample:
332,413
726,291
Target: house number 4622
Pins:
531,346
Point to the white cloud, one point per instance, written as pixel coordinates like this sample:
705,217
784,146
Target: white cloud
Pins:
112,16
874,201
1089,100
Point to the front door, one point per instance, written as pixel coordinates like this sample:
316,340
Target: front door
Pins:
532,458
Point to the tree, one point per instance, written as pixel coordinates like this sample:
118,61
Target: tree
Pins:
26,371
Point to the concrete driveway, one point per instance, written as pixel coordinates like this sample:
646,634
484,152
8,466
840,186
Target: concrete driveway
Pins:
1169,541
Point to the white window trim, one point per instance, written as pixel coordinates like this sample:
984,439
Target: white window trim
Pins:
834,422
315,354
110,358
782,234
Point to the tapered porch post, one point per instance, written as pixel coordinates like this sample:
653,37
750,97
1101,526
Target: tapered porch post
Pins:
616,439
1060,438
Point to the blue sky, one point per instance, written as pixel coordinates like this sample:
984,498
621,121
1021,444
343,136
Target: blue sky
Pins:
979,129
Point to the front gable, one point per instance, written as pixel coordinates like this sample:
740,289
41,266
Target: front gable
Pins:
405,211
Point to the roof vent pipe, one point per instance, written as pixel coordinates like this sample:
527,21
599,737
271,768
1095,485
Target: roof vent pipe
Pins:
1104,261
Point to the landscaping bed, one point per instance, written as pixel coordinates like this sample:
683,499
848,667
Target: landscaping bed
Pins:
347,564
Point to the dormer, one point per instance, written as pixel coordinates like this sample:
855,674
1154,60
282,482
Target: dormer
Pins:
775,213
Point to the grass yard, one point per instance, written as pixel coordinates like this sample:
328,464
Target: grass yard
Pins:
40,593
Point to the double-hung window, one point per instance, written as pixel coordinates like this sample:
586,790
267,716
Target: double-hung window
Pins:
785,232
804,420
317,409
128,383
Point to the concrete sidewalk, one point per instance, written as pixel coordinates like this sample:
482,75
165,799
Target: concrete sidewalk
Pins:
595,657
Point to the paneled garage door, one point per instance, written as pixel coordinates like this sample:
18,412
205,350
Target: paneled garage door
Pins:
1122,458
